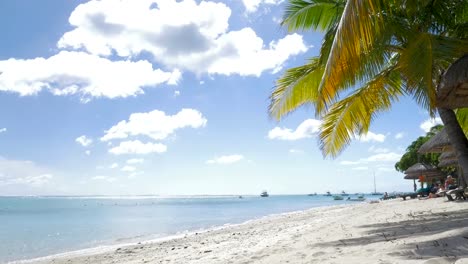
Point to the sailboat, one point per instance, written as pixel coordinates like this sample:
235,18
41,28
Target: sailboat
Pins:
328,194
375,189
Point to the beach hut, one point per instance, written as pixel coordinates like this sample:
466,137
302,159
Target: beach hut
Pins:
453,91
447,159
423,172
437,144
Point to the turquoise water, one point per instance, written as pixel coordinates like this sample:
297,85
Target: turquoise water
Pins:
32,227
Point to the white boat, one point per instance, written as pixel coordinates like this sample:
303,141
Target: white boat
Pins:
338,197
357,199
264,194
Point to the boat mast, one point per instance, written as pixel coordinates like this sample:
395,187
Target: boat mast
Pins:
375,189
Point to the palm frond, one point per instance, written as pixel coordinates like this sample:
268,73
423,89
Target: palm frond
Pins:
295,88
354,114
360,26
312,14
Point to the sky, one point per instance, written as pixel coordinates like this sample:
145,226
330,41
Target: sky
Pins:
171,98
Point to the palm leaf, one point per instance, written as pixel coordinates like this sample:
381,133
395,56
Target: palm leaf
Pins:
354,114
312,14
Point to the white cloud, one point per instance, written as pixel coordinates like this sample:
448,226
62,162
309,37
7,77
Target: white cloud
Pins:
135,161
229,159
347,162
155,124
381,157
306,129
378,150
429,123
176,93
84,141
360,168
114,166
134,174
296,151
182,34
23,172
88,152
69,73
104,178
128,168
386,169
370,136
3,130
399,135
137,147
252,5
384,157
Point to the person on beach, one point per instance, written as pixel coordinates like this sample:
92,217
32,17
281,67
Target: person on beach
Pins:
450,183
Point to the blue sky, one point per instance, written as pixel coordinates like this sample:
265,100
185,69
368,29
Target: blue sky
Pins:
170,97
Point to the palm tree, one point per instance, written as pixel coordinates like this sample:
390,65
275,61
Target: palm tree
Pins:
373,52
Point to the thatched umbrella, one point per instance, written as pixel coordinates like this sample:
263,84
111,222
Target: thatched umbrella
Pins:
448,158
421,169
453,90
437,144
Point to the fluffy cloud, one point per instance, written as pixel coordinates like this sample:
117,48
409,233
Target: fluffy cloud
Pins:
429,123
23,172
3,130
370,136
104,178
378,150
182,34
137,147
155,124
84,141
306,129
114,166
296,151
128,168
68,73
135,161
252,5
399,135
226,159
381,157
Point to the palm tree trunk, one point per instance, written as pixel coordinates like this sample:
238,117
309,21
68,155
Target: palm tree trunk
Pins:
457,139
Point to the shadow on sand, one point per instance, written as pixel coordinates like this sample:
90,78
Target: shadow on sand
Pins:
452,230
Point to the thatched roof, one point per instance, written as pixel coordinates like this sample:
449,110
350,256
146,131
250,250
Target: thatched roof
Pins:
421,169
453,90
437,144
448,158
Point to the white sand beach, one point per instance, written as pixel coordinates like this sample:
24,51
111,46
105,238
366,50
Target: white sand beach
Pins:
396,231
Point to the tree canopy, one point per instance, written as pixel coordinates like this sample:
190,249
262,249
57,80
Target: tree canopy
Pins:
411,155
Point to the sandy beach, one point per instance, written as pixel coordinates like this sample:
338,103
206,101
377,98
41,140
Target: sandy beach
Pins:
396,231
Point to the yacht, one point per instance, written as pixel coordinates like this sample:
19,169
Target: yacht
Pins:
264,194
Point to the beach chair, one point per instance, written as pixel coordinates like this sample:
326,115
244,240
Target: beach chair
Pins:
459,194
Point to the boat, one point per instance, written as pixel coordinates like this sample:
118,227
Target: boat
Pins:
344,194
327,194
312,194
357,199
338,197
375,189
264,194
240,197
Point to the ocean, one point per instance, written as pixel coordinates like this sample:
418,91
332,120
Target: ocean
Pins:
32,227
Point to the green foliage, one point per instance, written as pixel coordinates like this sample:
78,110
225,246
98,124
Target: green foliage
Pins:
411,155
373,52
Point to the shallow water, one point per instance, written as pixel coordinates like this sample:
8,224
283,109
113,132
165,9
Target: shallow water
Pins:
32,227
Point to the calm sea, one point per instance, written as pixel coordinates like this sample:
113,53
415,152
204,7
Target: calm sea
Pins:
32,227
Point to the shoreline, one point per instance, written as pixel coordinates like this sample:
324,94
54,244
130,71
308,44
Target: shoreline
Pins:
109,247
395,231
